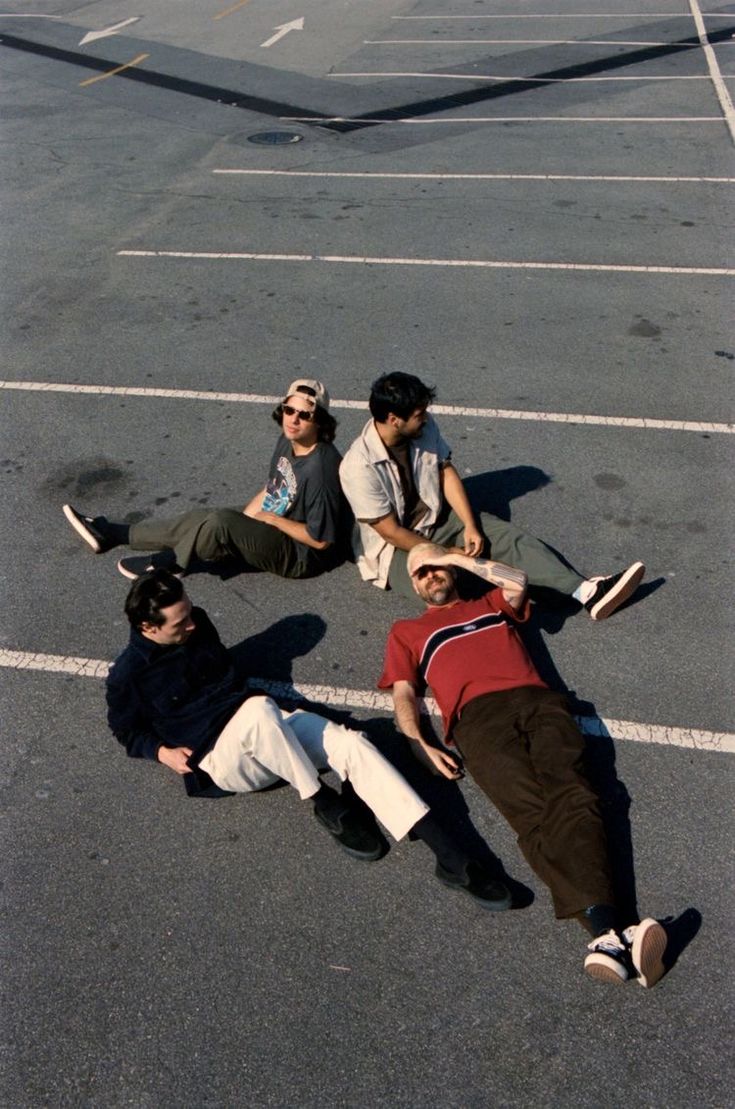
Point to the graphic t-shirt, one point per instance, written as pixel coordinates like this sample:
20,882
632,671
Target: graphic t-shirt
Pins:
461,652
306,488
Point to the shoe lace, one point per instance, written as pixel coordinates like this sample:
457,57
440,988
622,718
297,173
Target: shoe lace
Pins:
610,943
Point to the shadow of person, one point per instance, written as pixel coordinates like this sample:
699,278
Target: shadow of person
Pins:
680,931
615,802
269,654
493,490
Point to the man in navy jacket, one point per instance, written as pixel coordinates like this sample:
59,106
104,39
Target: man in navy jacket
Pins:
173,696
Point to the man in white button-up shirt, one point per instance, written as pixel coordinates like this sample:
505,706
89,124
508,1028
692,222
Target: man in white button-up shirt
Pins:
403,489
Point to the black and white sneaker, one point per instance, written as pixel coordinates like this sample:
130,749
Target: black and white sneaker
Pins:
609,959
488,892
611,592
647,942
92,529
137,565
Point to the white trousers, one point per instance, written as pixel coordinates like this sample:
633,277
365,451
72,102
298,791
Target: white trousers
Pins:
260,745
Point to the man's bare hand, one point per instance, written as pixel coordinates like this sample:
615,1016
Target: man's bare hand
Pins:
175,758
436,761
474,541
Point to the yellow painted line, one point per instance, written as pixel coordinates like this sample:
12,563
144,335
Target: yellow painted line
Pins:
229,11
111,73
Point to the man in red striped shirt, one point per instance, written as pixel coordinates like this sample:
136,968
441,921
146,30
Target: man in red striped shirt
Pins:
519,742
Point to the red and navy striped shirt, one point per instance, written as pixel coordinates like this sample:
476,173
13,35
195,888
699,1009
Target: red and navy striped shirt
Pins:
460,651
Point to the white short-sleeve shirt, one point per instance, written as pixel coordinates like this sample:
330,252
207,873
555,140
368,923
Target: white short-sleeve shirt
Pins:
371,482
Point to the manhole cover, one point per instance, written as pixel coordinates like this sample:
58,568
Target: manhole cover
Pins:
275,138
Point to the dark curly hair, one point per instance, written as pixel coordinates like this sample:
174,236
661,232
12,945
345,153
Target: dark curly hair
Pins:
150,594
400,394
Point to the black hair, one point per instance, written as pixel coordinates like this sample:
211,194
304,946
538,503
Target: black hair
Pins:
400,394
326,424
150,594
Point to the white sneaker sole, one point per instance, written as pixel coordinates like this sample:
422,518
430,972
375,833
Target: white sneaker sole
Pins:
131,575
145,568
81,529
647,949
603,968
617,596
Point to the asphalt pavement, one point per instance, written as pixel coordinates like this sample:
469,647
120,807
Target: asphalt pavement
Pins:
527,205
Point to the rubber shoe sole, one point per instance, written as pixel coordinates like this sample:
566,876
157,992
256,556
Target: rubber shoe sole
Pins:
646,951
77,522
623,589
135,566
603,968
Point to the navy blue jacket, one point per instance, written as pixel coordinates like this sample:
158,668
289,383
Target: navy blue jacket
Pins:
176,696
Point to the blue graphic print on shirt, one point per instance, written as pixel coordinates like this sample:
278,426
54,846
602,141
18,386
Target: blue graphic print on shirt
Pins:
280,492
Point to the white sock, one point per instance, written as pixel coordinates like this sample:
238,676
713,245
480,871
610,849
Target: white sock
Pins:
584,591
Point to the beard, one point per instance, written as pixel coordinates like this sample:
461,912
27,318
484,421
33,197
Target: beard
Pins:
439,594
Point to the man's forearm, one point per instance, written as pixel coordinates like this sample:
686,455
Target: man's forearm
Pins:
435,759
403,539
455,495
497,573
406,711
511,580
254,504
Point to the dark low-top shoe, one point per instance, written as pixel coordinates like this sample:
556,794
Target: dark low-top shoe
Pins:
474,880
353,835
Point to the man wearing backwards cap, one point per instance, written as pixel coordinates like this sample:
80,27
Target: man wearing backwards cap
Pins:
518,741
291,525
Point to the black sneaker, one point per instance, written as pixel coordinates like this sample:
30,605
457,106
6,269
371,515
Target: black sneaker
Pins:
609,959
93,530
137,565
351,833
614,591
488,892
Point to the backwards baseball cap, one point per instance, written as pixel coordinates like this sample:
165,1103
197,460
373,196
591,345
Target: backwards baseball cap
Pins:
320,395
422,554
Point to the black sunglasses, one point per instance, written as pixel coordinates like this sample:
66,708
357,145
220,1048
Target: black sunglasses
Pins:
299,413
424,571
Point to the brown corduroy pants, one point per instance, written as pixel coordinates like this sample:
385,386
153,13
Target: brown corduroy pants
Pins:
525,752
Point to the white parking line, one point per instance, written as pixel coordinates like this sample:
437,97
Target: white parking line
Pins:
638,422
367,175
455,263
721,89
367,700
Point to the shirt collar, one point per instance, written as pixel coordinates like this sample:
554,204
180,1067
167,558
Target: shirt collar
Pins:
146,647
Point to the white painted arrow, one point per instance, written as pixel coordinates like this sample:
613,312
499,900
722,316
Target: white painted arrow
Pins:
92,35
283,29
